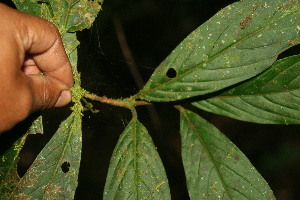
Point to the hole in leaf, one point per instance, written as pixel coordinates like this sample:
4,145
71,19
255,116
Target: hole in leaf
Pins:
65,167
171,73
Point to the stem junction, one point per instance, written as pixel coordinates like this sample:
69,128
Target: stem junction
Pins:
129,103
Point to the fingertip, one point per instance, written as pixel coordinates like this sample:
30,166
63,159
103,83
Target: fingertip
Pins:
64,98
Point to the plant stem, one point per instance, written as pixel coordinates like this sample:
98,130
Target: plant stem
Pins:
129,103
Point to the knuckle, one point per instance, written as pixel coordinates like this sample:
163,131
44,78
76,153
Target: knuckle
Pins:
53,28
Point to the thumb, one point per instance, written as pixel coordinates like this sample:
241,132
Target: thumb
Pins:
48,92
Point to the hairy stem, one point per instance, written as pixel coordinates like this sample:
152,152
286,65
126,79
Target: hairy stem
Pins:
129,103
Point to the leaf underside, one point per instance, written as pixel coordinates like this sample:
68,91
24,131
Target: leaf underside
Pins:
270,98
9,177
239,42
136,171
215,168
53,174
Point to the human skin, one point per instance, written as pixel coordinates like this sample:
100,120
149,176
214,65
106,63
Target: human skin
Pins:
35,72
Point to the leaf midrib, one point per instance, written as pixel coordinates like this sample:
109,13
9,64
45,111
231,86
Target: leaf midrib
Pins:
135,163
62,153
207,151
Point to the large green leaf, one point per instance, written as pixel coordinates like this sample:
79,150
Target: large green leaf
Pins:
215,168
9,177
270,98
54,173
239,42
136,171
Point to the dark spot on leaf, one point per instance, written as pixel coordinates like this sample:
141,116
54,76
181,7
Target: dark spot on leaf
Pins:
171,73
236,157
245,21
65,167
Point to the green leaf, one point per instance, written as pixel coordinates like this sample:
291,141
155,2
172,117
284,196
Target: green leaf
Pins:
37,126
73,15
270,98
8,168
9,177
28,6
239,42
54,173
136,171
215,168
71,43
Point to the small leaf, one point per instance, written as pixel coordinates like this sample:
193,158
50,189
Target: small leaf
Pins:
270,98
37,126
215,168
48,178
136,171
70,43
239,42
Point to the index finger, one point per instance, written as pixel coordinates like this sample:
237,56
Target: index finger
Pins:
41,39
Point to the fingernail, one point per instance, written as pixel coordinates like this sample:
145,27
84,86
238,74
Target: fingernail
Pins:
64,98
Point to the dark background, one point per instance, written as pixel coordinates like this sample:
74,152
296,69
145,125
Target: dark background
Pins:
152,29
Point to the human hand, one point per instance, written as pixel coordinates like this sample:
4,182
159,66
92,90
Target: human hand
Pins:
30,46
